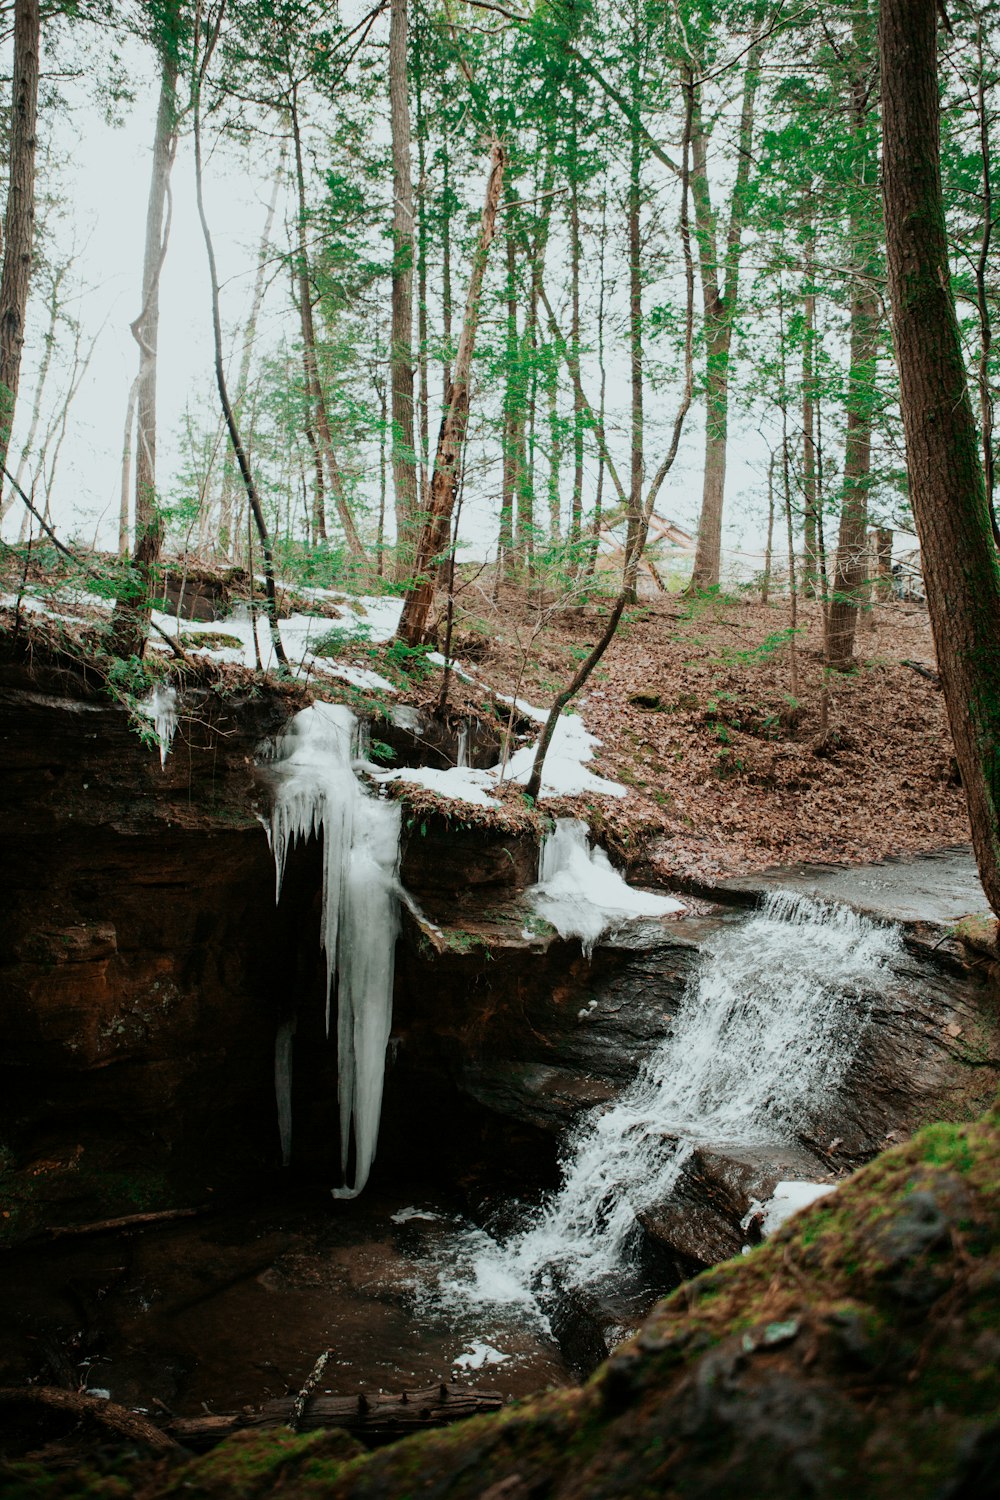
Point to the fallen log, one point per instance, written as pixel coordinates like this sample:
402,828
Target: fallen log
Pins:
107,1414
372,1419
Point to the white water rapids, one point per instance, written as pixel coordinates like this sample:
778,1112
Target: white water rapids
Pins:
764,1036
318,794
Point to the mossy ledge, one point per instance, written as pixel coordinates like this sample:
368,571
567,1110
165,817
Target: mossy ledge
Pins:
858,1352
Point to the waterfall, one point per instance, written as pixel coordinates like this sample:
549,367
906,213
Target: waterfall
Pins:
764,1037
581,894
317,793
462,746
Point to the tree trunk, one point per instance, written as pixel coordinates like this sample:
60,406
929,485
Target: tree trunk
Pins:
809,492
635,322
315,392
512,404
851,575
404,458
447,462
19,226
576,499
43,374
850,585
131,617
947,489
719,302
226,529
126,489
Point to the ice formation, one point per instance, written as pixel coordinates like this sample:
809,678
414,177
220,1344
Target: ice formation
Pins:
581,894
161,707
317,793
763,1040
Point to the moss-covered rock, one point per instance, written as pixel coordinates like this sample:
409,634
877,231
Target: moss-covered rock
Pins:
857,1352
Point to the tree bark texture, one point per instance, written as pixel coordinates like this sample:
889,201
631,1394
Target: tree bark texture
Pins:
447,462
19,225
404,458
947,489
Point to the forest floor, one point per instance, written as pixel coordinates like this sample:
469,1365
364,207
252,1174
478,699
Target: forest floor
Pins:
726,765
699,712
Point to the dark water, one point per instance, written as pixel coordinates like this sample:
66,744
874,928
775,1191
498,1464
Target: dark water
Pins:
234,1308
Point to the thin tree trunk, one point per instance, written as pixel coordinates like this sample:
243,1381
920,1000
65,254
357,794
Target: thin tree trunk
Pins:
851,573
314,383
404,459
126,488
947,489
982,289
851,576
809,417
19,225
226,530
719,300
131,617
636,470
40,384
424,398
576,499
512,401
765,588
447,462
447,207
253,498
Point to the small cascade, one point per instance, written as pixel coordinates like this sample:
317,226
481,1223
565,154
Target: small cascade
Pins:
581,894
317,793
763,1040
462,746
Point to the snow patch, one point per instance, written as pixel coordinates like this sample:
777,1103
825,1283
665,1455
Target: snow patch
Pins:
787,1199
408,1215
458,783
565,772
478,1355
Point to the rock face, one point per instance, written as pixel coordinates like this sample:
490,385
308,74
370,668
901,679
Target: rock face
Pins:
140,950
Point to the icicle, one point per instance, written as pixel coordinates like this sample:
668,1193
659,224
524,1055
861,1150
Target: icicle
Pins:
318,793
161,707
462,748
580,893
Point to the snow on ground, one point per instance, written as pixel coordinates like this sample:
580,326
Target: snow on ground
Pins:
372,618
787,1199
457,783
565,772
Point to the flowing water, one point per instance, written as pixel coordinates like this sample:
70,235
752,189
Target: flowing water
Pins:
764,1038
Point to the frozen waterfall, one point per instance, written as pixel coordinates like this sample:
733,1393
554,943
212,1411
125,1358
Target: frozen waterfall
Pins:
765,1035
317,793
581,894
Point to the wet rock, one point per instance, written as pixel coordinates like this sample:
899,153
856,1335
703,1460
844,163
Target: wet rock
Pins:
717,1188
